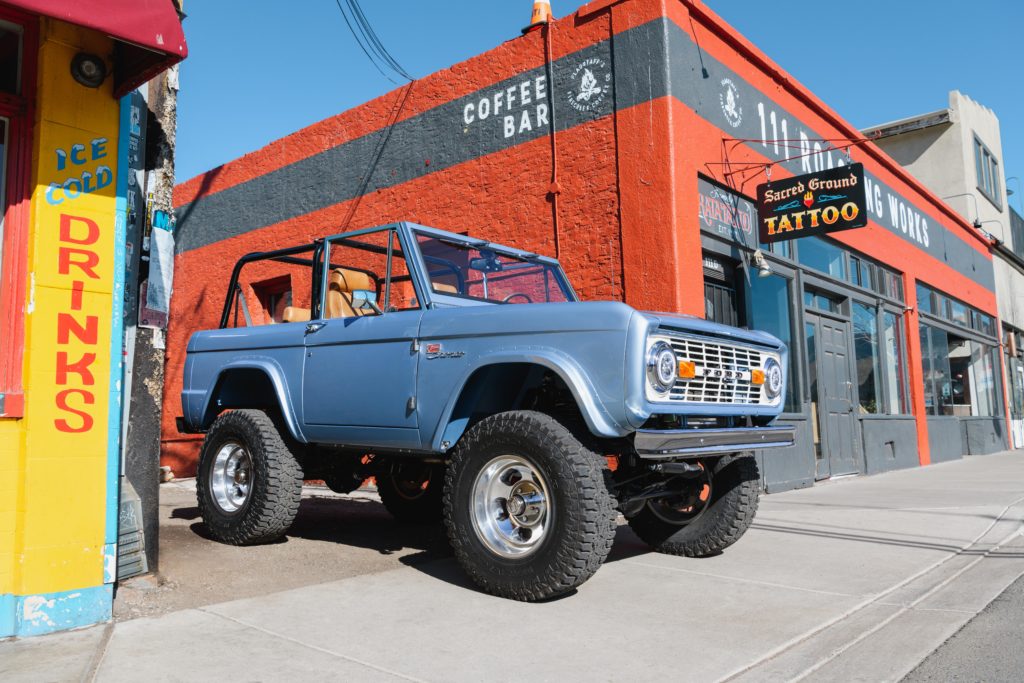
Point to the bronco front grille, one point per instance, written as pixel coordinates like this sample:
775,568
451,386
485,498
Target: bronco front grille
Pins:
711,357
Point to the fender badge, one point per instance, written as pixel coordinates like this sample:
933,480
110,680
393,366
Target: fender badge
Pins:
435,351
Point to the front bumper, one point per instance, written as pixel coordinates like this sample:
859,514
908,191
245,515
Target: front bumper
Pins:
673,443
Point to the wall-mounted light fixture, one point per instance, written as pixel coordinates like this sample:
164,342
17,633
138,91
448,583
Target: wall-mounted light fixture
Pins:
969,195
88,69
764,269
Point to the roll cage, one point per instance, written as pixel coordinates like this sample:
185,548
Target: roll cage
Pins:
420,273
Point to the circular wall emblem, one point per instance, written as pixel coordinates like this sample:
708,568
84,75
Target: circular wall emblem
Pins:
591,84
729,98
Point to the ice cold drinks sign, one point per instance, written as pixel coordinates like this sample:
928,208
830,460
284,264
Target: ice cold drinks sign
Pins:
812,204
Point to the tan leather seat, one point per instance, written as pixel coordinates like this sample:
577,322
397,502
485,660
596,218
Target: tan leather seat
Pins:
340,285
294,314
444,288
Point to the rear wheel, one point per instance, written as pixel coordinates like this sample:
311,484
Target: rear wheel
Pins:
706,517
527,508
249,483
413,492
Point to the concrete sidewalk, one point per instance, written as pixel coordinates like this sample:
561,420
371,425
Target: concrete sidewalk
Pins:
857,579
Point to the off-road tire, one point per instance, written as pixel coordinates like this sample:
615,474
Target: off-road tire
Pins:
427,507
276,484
583,513
735,489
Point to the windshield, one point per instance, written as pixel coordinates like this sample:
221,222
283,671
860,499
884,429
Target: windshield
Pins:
487,274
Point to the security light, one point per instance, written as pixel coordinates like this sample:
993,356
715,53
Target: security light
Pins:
764,269
88,69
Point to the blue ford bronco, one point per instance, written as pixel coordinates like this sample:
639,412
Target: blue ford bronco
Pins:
470,381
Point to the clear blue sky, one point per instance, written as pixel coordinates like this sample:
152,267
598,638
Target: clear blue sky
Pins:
255,75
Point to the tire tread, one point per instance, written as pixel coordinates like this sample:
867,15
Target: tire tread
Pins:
577,560
273,506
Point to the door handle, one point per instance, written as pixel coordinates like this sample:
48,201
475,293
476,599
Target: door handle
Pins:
311,328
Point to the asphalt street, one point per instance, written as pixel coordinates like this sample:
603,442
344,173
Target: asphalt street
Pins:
989,648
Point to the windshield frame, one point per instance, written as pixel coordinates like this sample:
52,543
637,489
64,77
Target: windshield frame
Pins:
521,256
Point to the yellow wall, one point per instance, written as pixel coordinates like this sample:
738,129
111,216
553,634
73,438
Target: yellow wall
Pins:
54,461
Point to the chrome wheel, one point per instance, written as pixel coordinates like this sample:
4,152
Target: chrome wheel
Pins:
511,509
231,477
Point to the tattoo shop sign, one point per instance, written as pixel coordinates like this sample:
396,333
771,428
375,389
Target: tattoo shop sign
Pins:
813,204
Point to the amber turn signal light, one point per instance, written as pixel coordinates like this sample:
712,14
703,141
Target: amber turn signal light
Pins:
757,377
687,369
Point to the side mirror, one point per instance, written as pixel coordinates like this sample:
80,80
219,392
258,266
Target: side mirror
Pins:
365,300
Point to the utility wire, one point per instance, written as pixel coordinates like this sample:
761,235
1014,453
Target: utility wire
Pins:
359,42
372,36
369,42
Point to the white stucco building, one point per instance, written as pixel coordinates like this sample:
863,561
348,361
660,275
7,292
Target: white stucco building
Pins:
957,152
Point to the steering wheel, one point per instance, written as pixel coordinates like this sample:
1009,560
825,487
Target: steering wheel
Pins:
513,295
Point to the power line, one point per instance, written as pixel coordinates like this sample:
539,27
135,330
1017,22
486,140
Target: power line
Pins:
369,42
372,35
359,42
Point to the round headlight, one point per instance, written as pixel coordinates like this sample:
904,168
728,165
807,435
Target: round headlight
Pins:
661,366
772,378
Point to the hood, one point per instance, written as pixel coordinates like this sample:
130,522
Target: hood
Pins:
691,323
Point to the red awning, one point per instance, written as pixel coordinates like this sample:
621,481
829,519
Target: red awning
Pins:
148,33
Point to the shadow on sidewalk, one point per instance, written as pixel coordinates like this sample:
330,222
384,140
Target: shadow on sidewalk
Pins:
358,523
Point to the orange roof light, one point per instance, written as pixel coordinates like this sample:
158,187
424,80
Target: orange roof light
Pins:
687,369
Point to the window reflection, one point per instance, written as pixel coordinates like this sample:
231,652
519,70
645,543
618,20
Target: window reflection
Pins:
959,375
767,305
865,342
824,256
892,338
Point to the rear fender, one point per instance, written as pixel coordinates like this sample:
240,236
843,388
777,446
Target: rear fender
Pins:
251,383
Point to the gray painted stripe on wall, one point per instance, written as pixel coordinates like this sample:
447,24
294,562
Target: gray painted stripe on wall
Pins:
708,97
440,135
629,69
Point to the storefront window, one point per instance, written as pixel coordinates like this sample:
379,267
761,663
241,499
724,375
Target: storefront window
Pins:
824,256
959,375
981,379
821,301
720,297
960,314
768,309
939,305
924,299
865,342
862,273
781,249
892,338
935,362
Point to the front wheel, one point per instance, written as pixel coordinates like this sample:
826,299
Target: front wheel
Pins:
528,512
708,517
249,483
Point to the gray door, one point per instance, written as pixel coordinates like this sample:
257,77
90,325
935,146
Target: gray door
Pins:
833,396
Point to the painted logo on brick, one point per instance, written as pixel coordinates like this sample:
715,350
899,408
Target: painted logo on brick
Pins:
591,84
729,98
